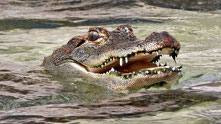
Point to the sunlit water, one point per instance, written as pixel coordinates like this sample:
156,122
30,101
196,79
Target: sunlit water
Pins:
199,34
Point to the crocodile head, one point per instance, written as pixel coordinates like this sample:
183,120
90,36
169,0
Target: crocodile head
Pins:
119,56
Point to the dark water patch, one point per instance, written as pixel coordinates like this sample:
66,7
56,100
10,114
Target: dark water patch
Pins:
197,76
101,4
37,3
10,24
7,77
6,42
46,42
116,21
201,5
17,3
68,2
17,79
5,70
69,118
11,89
7,102
20,117
36,71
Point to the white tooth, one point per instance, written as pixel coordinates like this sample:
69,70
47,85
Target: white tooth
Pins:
102,66
157,53
179,69
174,68
126,59
112,69
164,70
121,61
147,72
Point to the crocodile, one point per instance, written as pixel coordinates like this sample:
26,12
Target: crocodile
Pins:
119,57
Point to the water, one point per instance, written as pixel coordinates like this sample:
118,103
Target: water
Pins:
25,42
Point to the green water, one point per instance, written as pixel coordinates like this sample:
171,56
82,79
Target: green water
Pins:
198,32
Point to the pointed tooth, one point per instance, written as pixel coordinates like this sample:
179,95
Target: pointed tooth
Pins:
147,72
126,59
112,69
157,53
102,66
174,69
164,70
174,58
134,73
140,72
125,76
121,61
179,69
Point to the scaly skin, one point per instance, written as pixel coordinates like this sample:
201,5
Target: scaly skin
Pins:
119,57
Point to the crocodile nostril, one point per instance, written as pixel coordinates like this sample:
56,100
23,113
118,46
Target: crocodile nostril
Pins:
80,43
93,35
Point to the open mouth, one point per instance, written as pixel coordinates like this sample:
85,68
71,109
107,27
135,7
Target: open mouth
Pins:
140,62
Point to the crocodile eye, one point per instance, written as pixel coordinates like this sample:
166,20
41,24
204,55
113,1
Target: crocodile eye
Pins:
93,35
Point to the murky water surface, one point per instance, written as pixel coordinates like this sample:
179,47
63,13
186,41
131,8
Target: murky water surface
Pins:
26,42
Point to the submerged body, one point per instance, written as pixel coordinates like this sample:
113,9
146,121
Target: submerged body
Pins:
117,58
